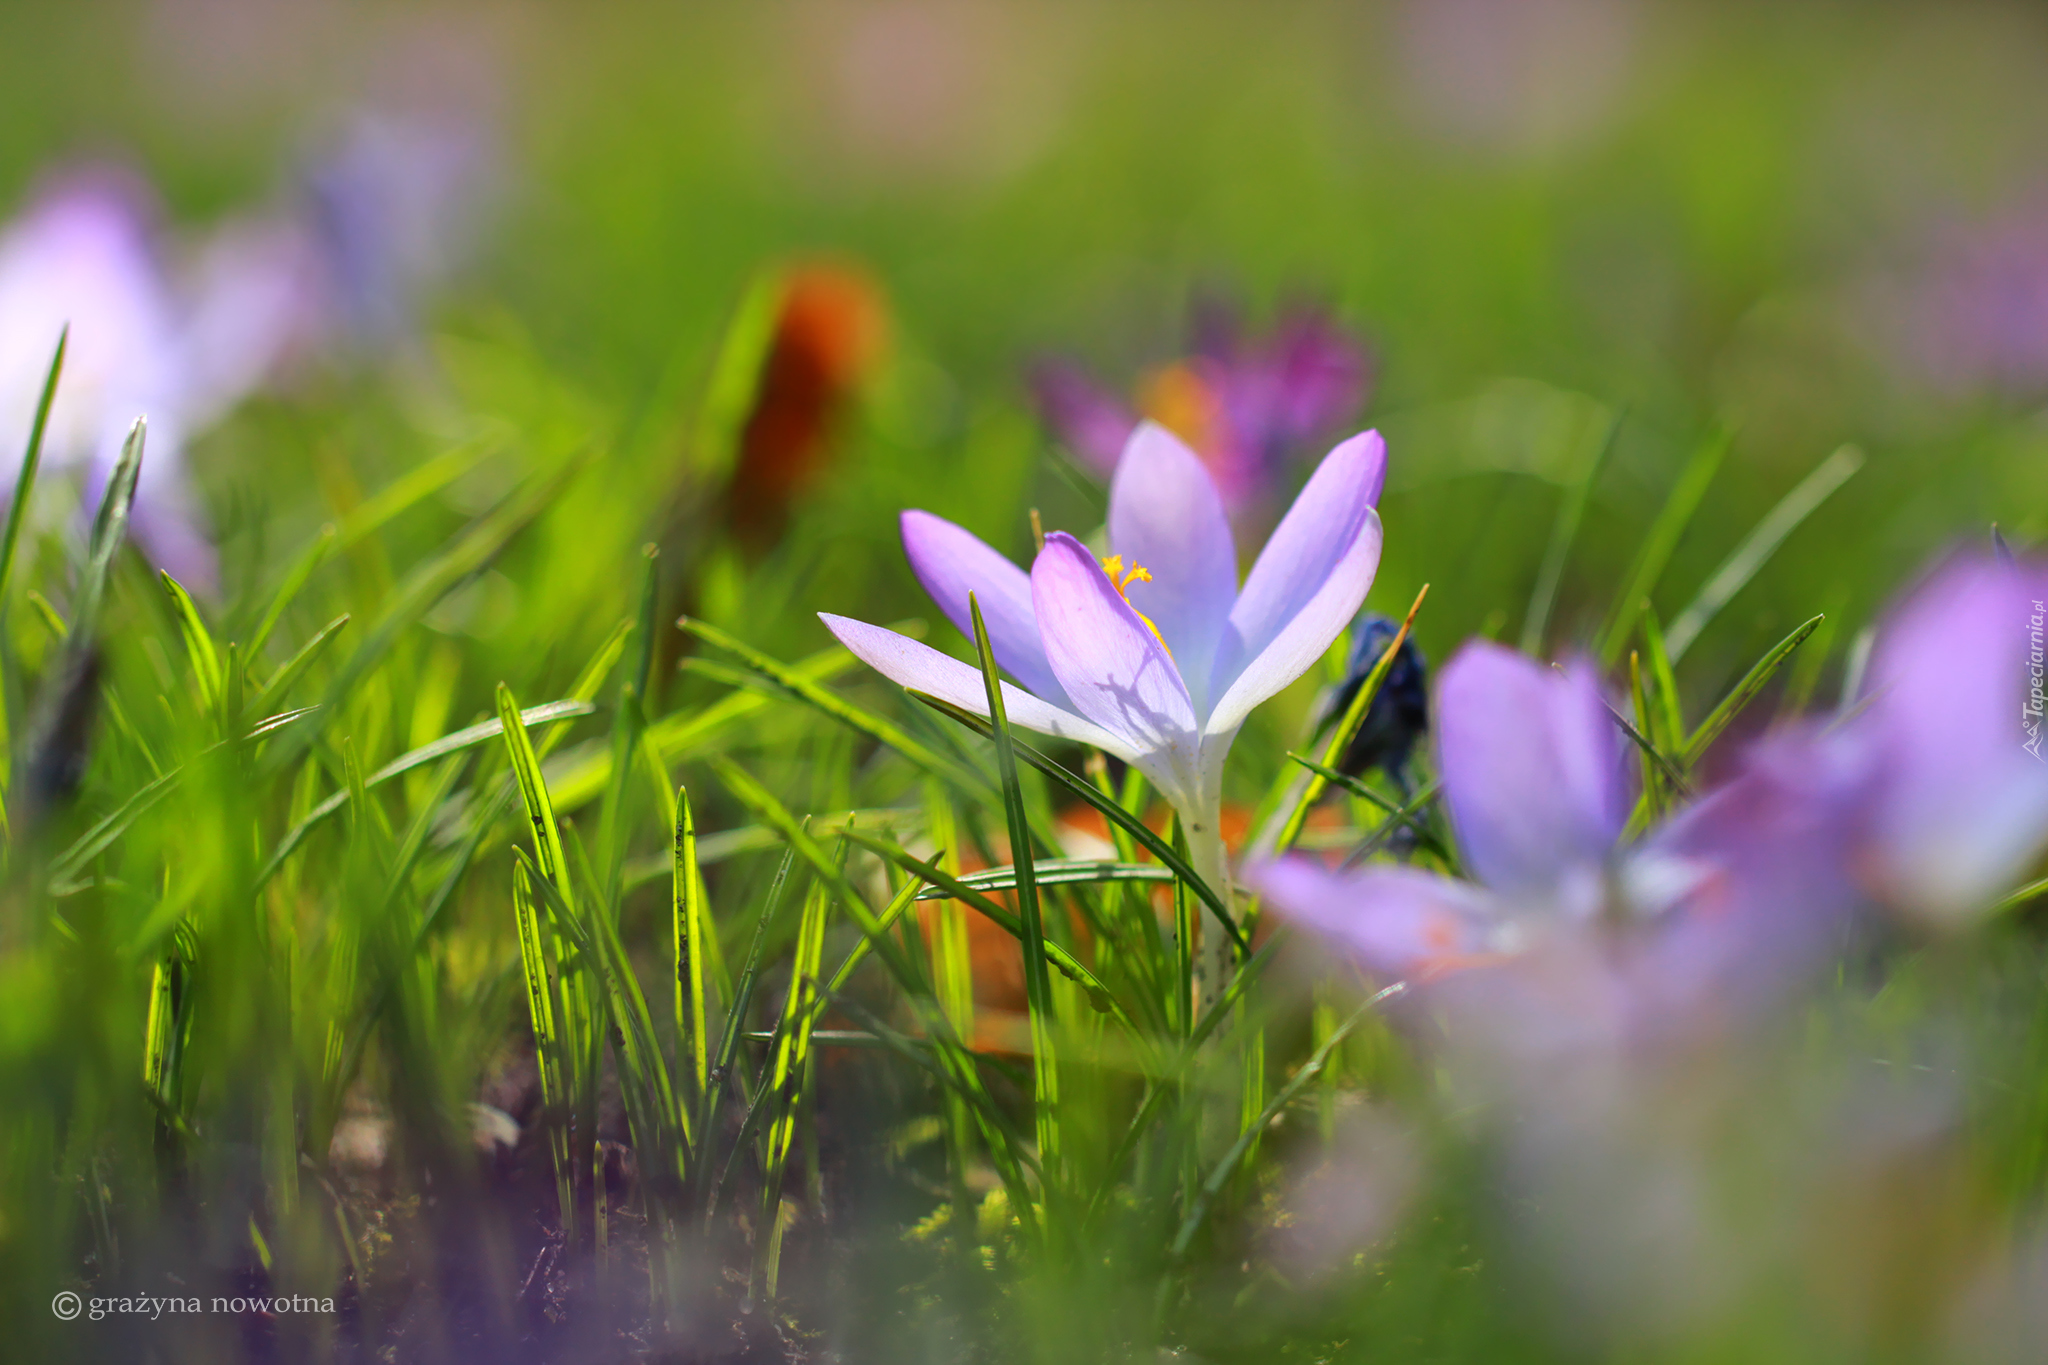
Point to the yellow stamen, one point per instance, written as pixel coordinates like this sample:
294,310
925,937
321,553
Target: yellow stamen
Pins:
1121,578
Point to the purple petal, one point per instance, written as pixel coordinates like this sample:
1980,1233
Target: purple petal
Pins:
1532,770
952,562
1956,717
1309,582
1397,922
1088,421
1166,515
1114,671
1323,375
1749,889
921,668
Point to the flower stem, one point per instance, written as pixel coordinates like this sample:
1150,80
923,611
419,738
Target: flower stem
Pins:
1210,861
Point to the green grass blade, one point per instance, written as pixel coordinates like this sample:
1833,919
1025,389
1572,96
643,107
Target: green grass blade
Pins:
770,811
735,1026
469,553
1340,738
1114,812
874,727
945,885
483,732
676,737
31,462
1400,814
295,667
109,530
548,1043
1037,979
1759,545
1744,693
1221,1174
1661,542
687,920
1058,872
295,578
1563,531
198,642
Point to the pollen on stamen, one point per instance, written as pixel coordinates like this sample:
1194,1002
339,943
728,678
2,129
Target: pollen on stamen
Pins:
1121,578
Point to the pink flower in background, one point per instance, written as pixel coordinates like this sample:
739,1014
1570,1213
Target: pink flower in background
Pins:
1953,721
84,254
1967,311
1249,406
1567,939
183,337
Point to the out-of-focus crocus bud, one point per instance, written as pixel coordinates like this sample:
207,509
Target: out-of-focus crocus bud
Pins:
830,327
1399,713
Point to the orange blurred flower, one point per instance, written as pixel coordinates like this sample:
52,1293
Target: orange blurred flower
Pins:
830,327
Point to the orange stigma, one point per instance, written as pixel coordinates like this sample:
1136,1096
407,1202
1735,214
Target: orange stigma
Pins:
1121,578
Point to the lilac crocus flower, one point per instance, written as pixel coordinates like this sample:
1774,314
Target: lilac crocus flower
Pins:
82,254
1731,897
1155,655
1534,779
1953,723
1247,406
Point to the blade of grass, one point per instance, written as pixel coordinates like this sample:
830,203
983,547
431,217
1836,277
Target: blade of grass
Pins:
841,710
1057,872
1661,541
198,642
31,462
109,530
1744,692
1347,727
1563,532
1401,814
735,1025
480,733
295,667
1287,1094
1037,981
687,919
946,886
1110,808
1759,545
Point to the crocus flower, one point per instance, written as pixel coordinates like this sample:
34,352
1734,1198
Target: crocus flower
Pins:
1954,724
1535,781
82,254
1247,407
1154,655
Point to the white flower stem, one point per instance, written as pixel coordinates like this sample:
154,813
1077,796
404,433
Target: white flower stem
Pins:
1211,863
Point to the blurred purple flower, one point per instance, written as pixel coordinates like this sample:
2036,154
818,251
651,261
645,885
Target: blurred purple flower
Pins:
1247,407
83,254
1154,655
1568,939
1953,723
392,209
1969,312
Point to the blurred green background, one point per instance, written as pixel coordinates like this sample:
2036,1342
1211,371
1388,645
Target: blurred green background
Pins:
1787,218
1808,224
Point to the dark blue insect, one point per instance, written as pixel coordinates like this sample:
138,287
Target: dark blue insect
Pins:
1399,714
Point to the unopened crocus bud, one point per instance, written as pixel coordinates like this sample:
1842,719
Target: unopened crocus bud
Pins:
1399,713
830,327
